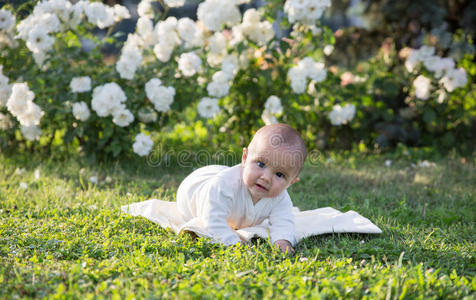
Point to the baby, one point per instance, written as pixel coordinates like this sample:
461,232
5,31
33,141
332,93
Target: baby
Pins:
229,198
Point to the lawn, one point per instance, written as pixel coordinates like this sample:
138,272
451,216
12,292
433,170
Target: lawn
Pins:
63,236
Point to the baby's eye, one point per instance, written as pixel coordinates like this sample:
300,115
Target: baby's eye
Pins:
261,164
280,175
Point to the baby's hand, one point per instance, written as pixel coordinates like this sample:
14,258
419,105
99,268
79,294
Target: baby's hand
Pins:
284,246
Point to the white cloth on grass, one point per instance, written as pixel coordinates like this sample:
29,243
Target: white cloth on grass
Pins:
214,203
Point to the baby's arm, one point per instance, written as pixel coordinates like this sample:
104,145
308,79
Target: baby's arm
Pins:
215,211
281,221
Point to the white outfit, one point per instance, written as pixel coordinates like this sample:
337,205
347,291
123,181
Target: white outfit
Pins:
219,198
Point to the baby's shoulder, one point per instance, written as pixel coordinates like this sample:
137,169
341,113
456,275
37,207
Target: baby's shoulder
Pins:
224,176
229,177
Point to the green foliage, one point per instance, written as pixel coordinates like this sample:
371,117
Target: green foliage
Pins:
65,237
380,88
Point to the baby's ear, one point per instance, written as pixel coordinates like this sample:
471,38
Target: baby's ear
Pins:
244,156
294,180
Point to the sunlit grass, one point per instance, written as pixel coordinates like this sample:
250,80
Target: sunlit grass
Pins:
65,236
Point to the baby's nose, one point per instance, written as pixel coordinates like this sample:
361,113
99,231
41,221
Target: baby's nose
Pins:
267,174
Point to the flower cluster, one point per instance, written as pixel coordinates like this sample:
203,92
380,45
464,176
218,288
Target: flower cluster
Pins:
306,68
443,68
80,85
196,60
20,104
128,62
52,16
216,13
252,28
109,99
342,115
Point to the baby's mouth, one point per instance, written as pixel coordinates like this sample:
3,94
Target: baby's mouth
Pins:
261,187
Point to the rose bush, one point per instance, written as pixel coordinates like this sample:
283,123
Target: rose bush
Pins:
214,80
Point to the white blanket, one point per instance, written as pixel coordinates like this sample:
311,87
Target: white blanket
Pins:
307,223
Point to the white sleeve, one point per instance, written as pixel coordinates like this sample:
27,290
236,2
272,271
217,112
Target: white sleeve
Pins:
215,210
281,220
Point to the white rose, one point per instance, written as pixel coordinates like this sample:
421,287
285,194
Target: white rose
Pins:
167,32
39,40
120,13
208,107
341,115
5,88
122,117
189,63
126,70
107,98
218,89
230,64
164,98
142,144
19,98
81,111
412,60
263,34
187,29
31,115
215,13
454,79
163,51
144,26
217,43
145,9
251,16
328,49
161,96
422,87
273,105
128,63
298,85
151,87
100,14
31,133
268,118
80,84
174,3
48,22
133,41
314,70
7,20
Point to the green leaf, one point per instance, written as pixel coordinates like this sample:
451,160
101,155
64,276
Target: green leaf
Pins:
429,115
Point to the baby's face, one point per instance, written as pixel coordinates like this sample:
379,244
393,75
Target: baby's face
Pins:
269,170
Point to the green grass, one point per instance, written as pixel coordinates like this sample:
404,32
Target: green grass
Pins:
64,237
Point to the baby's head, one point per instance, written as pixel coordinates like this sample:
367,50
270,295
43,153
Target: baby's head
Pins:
272,161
